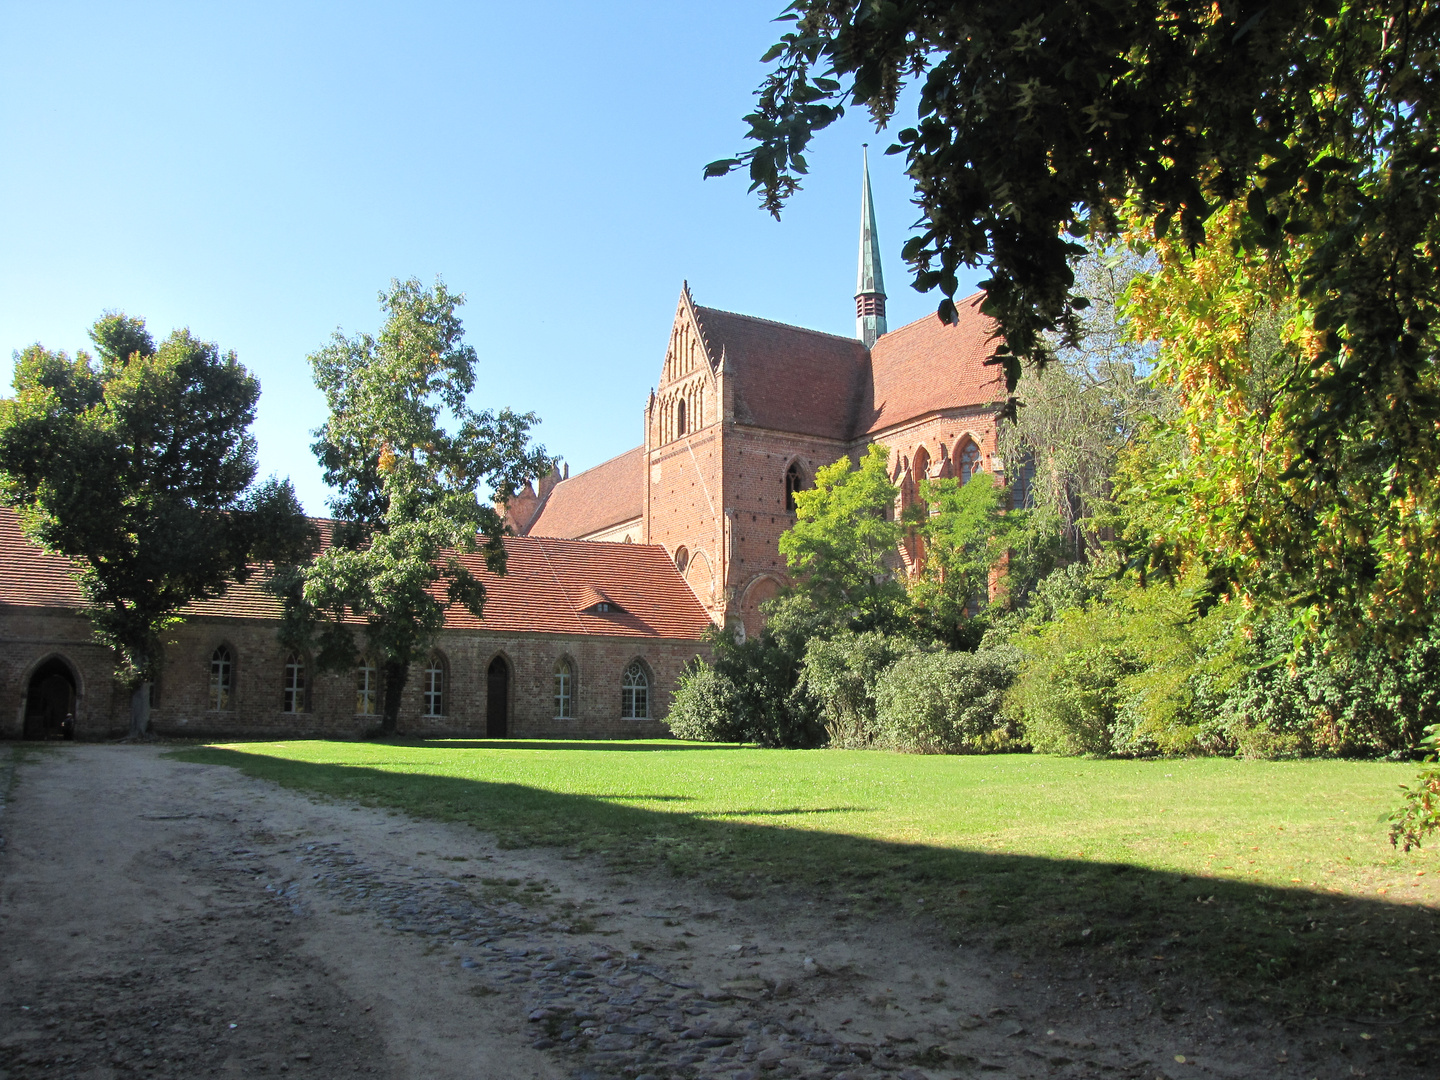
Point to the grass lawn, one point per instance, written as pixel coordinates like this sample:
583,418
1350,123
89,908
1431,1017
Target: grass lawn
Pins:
1273,881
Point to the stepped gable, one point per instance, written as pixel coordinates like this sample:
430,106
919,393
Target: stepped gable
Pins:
546,586
926,366
787,378
610,493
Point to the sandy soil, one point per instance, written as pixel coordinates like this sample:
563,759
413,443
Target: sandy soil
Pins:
179,920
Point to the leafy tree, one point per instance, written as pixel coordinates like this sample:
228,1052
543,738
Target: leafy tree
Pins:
842,547
1311,127
408,488
1073,418
138,465
966,535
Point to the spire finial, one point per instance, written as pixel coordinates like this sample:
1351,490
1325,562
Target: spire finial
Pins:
870,286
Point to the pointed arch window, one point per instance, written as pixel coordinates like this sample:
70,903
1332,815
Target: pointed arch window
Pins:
1022,482
794,483
680,417
222,676
969,462
367,688
564,690
292,699
635,692
433,686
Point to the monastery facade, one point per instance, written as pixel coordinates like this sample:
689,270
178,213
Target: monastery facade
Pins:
614,573
747,409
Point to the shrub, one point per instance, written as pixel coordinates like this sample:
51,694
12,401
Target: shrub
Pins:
841,675
946,702
706,707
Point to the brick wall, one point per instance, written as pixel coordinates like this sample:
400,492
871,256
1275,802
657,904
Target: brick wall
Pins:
28,637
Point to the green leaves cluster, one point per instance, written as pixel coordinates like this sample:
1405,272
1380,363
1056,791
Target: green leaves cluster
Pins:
137,463
409,459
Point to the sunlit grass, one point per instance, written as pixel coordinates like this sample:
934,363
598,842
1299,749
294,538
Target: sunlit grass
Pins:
1272,875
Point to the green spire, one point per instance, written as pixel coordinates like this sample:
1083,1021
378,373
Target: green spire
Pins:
870,285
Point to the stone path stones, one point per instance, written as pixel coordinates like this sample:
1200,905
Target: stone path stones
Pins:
610,1013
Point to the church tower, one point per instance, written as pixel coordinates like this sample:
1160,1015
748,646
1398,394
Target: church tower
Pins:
870,288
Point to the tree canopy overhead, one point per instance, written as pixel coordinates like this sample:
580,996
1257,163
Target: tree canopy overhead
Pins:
138,465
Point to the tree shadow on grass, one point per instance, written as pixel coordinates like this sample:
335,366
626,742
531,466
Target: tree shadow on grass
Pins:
630,747
1285,952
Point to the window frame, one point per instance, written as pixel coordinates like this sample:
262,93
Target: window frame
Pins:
225,684
564,689
635,691
431,697
367,686
295,687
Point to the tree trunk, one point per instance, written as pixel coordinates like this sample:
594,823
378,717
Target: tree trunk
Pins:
140,710
395,675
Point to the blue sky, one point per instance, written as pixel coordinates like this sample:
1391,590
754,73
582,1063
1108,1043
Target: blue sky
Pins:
259,172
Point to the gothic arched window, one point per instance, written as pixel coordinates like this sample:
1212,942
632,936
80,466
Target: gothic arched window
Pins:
680,417
367,688
635,692
969,462
1022,482
222,675
433,686
564,690
292,698
794,482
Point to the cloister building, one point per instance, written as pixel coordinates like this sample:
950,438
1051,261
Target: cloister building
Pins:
614,573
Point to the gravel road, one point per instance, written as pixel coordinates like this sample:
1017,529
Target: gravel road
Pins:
167,919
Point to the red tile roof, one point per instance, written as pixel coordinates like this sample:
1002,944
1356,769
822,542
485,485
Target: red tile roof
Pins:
28,576
609,494
545,588
787,378
926,366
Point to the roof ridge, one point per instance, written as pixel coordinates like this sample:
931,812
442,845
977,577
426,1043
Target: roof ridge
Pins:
916,322
777,322
592,468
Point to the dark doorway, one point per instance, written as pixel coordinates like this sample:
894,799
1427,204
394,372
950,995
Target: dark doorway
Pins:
497,699
49,700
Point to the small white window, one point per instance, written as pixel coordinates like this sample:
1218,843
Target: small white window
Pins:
293,699
635,693
367,688
434,687
222,670
564,690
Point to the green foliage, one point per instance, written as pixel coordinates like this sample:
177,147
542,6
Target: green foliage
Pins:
1116,676
842,546
406,454
964,533
138,465
1419,812
706,707
841,675
750,691
946,702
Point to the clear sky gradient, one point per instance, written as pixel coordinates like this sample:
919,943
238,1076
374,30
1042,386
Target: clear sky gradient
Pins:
259,172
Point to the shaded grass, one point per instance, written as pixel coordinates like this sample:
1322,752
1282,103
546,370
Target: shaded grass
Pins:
1270,881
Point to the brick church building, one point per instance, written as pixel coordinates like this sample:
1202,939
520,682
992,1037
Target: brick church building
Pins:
747,409
614,573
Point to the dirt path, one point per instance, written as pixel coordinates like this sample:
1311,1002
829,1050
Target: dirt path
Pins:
179,920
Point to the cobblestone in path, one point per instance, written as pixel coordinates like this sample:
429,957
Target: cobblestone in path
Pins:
613,1014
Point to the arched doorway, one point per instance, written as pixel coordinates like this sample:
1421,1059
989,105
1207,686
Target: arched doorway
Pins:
497,699
49,699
